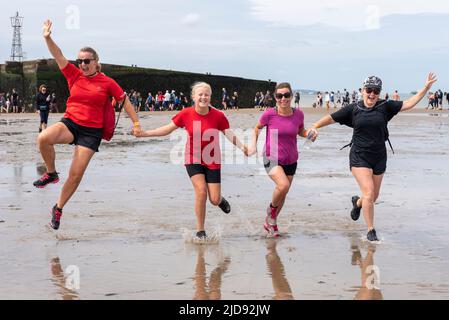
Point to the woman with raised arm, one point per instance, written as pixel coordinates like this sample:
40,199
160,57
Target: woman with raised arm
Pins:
203,124
82,124
368,156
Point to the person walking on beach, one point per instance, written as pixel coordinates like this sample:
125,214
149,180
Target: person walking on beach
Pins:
319,99
43,106
224,99
339,101
234,102
203,124
447,99
54,103
3,106
327,99
368,156
82,124
267,100
280,153
297,99
430,101
15,101
345,98
440,99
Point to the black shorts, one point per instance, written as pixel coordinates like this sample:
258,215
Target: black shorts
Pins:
289,169
211,175
44,115
84,136
377,161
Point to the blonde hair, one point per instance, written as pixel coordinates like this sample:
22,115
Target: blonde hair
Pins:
198,85
42,86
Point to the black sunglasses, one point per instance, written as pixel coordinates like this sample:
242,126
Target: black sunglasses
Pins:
86,61
372,90
285,95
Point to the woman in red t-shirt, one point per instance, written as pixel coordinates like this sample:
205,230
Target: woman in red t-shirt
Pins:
202,155
82,125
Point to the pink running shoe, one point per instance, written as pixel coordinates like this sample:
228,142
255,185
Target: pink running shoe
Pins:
272,215
271,229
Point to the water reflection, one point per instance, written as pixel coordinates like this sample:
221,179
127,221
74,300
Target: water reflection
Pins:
370,273
41,168
281,287
212,289
59,280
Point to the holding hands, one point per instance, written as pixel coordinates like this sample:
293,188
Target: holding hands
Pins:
137,131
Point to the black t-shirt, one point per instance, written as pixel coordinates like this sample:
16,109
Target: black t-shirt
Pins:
15,97
370,124
41,100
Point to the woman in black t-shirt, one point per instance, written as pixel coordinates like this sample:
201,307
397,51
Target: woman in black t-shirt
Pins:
368,156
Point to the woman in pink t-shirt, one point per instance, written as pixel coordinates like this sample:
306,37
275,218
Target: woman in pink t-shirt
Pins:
284,124
202,155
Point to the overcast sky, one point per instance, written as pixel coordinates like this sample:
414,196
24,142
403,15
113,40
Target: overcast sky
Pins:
326,45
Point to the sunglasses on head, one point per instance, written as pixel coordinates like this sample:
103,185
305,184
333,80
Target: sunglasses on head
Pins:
285,95
372,90
85,61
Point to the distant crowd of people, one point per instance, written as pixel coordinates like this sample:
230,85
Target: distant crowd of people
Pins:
160,101
263,101
436,100
12,102
9,102
330,99
170,100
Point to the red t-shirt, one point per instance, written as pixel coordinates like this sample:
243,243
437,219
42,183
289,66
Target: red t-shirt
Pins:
89,96
203,145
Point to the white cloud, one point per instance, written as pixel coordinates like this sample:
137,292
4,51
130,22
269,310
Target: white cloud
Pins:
190,19
345,14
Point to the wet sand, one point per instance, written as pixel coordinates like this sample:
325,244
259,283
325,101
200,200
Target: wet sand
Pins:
124,228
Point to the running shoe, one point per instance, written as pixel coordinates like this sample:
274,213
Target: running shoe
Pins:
201,235
56,214
224,205
271,229
372,236
46,179
355,212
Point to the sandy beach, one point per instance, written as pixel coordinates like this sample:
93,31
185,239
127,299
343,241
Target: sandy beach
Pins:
124,231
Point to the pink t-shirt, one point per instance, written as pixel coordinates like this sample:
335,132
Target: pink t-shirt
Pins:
281,139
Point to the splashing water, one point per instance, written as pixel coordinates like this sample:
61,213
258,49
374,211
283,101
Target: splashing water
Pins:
365,241
213,236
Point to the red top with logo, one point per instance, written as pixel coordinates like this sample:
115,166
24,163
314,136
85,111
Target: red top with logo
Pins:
89,96
203,145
